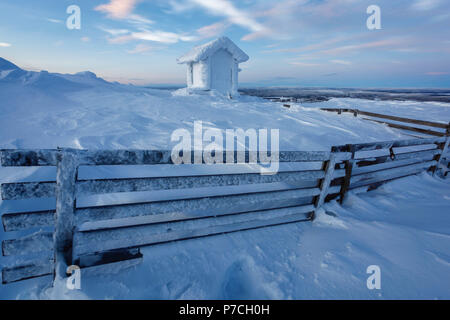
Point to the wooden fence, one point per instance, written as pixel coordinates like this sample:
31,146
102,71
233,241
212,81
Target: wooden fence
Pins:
96,235
90,236
373,164
427,127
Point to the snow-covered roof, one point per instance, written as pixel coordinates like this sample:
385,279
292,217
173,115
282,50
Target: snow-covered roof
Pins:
204,51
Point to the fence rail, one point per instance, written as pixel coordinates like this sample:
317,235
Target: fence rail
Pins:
373,164
101,234
376,116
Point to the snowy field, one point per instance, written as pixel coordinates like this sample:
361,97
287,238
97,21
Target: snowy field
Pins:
404,227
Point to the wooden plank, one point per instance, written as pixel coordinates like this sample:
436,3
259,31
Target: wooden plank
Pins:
395,118
401,119
28,158
421,155
19,158
370,178
146,157
87,187
409,128
120,238
391,164
29,270
66,176
20,221
37,242
391,144
27,190
197,207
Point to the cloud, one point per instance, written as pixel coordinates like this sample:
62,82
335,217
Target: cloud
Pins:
179,6
118,9
85,39
424,5
4,45
303,64
139,20
141,48
149,35
54,20
226,9
330,74
123,10
256,35
161,36
213,30
115,32
367,45
120,39
315,46
437,73
344,62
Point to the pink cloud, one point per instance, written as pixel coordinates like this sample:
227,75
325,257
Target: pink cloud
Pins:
118,9
367,45
437,73
213,30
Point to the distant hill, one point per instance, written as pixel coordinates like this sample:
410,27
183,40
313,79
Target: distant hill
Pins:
25,89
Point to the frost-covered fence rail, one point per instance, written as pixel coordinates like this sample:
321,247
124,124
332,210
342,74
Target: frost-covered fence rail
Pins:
424,127
373,164
101,234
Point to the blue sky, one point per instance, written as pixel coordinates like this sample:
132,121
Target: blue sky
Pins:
290,42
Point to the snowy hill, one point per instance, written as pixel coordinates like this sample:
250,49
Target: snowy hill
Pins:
84,111
12,74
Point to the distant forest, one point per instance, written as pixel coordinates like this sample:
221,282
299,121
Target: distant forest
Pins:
324,94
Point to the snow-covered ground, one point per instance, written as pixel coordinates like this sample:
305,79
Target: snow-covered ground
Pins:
403,227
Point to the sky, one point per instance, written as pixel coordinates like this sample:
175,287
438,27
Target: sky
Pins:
290,42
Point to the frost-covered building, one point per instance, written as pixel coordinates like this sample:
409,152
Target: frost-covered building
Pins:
214,66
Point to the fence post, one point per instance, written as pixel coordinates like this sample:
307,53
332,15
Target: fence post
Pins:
348,172
325,183
66,176
439,157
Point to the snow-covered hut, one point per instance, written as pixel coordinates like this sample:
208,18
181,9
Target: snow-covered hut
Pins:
214,66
